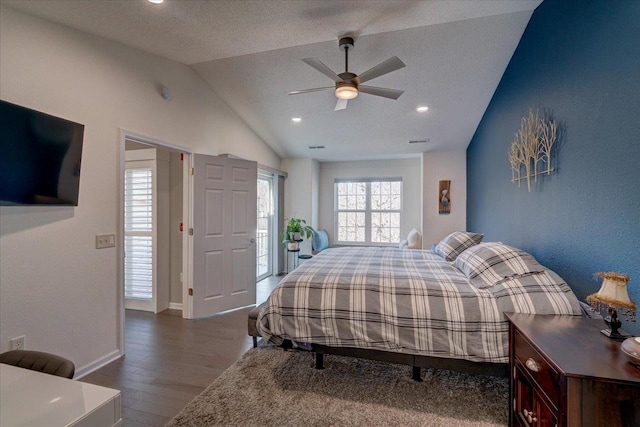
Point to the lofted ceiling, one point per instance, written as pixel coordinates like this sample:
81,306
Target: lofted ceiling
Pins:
250,53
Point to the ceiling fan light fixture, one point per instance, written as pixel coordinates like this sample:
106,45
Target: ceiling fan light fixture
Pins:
346,92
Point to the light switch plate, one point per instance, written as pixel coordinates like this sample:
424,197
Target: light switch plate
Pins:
105,241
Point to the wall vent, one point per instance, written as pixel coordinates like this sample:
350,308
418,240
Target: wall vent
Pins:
316,147
420,141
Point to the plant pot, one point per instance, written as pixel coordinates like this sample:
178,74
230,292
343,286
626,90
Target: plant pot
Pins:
292,246
295,236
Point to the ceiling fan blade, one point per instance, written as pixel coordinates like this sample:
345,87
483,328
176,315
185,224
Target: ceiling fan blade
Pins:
318,65
341,105
381,91
391,64
316,89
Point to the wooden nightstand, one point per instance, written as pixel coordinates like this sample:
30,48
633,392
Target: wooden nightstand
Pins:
564,372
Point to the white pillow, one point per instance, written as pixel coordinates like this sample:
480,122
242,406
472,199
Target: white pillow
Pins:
414,239
403,244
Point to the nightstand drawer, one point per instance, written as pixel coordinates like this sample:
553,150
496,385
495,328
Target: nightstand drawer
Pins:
537,368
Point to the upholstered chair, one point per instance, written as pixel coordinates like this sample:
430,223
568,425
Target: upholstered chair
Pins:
39,361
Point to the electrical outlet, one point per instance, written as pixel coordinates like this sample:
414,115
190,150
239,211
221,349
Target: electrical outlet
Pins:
105,241
17,343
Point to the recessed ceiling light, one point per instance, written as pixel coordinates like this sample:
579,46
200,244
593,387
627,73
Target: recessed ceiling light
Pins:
422,109
296,119
156,1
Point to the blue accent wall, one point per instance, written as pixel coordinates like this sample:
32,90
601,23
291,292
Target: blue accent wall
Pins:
580,60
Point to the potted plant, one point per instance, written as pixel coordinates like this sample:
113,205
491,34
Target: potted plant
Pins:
293,231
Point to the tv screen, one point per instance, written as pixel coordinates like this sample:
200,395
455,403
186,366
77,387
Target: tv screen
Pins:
39,157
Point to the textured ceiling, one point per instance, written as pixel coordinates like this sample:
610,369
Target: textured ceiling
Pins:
249,52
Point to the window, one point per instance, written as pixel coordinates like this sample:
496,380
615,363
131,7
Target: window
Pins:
138,233
264,237
368,210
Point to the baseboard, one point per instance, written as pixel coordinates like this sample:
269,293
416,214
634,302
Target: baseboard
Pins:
175,306
97,364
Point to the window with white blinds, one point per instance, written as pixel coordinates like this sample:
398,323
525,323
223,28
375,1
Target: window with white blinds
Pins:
138,233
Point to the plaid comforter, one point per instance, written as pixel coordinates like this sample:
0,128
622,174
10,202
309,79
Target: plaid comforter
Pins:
407,301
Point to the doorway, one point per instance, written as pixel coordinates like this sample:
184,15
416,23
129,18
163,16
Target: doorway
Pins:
153,250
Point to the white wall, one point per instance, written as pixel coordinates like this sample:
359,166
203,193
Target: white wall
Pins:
408,169
437,166
54,286
315,194
301,193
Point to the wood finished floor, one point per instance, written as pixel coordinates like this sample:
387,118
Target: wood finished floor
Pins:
170,360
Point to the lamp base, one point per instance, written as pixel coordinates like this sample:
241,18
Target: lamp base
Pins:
615,335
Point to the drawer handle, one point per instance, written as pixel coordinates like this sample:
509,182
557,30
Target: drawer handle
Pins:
529,416
532,365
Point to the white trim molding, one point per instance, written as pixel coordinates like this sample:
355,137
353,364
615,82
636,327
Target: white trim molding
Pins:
97,364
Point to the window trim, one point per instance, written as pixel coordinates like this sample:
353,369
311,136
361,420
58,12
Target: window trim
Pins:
367,211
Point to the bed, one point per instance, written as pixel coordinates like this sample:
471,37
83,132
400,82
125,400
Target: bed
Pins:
411,306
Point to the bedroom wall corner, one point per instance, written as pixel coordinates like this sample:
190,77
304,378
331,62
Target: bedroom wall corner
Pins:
437,166
299,194
577,61
49,267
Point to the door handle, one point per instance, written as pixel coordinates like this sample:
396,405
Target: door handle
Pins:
252,241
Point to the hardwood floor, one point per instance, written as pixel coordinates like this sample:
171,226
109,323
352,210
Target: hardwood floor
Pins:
265,286
170,360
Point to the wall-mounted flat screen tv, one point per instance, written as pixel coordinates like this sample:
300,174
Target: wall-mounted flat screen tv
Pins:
39,157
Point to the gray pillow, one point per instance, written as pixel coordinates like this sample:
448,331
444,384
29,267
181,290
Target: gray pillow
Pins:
457,242
487,264
319,240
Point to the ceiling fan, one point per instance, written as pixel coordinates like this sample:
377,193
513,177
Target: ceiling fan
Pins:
348,85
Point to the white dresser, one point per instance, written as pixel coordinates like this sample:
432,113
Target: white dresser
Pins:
34,399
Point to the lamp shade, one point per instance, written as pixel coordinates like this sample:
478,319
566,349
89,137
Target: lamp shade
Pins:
613,291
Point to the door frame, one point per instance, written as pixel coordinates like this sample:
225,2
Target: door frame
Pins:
123,136
272,241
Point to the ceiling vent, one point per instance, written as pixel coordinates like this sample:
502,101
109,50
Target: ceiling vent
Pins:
420,141
316,147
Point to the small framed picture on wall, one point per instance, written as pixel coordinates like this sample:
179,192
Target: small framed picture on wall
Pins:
444,197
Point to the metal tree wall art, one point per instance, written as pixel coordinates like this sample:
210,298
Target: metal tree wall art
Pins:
532,144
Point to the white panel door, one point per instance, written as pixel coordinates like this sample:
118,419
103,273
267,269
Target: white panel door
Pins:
224,232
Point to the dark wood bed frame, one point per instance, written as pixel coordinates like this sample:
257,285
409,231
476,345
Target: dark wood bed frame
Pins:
415,361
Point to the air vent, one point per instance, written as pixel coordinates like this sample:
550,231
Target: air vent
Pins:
420,141
316,147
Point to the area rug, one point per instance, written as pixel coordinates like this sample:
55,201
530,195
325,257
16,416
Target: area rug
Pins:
272,386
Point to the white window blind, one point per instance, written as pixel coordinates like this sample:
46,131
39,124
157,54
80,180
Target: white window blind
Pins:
138,233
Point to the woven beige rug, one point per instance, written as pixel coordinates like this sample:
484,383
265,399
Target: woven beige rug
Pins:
273,387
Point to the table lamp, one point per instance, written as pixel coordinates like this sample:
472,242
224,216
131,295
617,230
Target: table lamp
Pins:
614,297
